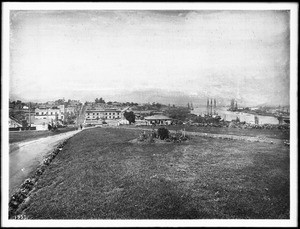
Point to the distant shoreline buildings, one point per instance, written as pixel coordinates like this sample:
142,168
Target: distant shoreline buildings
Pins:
62,112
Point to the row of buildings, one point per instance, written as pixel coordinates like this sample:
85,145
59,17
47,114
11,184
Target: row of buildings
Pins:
115,116
39,116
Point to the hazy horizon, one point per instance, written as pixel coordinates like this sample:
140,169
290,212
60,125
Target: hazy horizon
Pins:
176,56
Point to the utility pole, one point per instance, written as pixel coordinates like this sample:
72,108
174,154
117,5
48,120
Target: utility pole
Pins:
29,115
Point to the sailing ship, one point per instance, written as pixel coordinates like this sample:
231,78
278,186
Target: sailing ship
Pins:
212,113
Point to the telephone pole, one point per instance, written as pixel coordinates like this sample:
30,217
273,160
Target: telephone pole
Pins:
29,115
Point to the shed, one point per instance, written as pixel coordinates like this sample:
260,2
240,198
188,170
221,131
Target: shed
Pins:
158,119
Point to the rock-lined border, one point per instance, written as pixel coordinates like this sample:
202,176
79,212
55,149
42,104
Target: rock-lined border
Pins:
23,193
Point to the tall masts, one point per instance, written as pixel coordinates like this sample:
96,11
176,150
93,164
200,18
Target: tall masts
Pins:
190,107
215,106
207,106
210,106
233,105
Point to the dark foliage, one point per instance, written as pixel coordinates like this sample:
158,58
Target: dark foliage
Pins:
130,117
179,113
163,133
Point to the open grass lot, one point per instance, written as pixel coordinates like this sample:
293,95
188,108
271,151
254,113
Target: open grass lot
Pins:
100,175
18,136
275,133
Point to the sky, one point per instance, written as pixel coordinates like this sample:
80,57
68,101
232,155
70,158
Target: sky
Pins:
111,54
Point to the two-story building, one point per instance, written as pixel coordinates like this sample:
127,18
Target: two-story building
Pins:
50,114
103,114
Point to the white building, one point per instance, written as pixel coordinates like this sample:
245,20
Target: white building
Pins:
123,121
61,108
39,124
70,109
103,114
49,114
158,119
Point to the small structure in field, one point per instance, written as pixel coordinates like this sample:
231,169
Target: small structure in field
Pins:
158,120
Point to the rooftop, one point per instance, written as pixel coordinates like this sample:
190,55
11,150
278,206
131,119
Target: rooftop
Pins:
157,117
104,110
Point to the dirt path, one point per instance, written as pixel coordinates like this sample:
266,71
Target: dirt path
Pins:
24,157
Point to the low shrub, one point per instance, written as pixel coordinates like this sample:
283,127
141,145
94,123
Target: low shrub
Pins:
163,133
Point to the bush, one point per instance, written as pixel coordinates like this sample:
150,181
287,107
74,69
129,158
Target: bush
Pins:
163,133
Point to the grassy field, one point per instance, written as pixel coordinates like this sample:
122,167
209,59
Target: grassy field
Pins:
275,133
100,175
18,136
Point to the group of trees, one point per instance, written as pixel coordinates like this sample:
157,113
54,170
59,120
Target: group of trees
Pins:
130,104
157,105
151,106
199,119
60,101
16,111
99,100
179,113
17,104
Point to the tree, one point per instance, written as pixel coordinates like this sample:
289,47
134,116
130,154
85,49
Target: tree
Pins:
158,105
163,133
130,117
101,100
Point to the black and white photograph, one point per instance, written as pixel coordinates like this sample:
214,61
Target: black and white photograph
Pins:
149,114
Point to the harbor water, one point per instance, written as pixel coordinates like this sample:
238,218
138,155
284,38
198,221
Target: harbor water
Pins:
230,115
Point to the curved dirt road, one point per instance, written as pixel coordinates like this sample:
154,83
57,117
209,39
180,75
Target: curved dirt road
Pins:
24,157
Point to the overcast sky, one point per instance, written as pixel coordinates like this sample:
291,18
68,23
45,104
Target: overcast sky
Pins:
234,54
